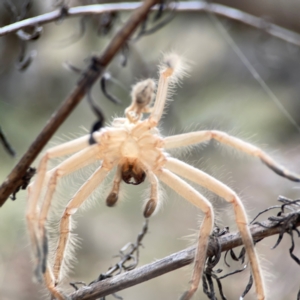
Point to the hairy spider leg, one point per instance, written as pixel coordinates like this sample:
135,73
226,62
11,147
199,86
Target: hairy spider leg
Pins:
161,96
113,196
193,196
75,162
151,204
34,189
171,70
51,275
191,138
65,223
219,188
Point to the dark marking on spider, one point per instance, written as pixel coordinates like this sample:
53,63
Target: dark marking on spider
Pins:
132,174
282,172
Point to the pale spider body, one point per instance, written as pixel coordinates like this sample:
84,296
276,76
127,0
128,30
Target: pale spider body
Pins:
136,145
135,148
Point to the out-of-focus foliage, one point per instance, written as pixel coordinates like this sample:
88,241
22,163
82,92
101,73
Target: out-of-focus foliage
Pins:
220,93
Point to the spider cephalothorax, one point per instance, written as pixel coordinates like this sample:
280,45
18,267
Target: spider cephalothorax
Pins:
134,147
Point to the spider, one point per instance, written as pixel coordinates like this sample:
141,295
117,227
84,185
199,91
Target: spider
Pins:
134,147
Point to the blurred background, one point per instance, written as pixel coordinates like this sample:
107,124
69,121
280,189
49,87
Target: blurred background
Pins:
219,93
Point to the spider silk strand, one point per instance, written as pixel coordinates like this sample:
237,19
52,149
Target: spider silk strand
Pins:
251,69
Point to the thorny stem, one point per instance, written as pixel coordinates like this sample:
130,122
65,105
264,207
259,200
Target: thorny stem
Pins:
173,262
90,75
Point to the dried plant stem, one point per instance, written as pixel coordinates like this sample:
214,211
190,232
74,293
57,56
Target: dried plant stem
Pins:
170,263
93,72
193,6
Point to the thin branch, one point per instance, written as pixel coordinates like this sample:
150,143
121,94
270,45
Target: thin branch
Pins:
173,262
69,12
90,75
192,6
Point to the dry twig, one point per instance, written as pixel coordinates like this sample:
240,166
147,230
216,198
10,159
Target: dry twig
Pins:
178,260
193,6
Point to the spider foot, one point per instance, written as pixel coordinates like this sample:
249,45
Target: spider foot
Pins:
281,171
188,294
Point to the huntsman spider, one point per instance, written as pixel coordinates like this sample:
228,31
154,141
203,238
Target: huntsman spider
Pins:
134,147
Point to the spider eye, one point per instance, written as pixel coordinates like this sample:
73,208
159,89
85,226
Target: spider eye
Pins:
132,174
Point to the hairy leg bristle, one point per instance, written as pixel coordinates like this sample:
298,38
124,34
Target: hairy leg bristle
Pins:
173,66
